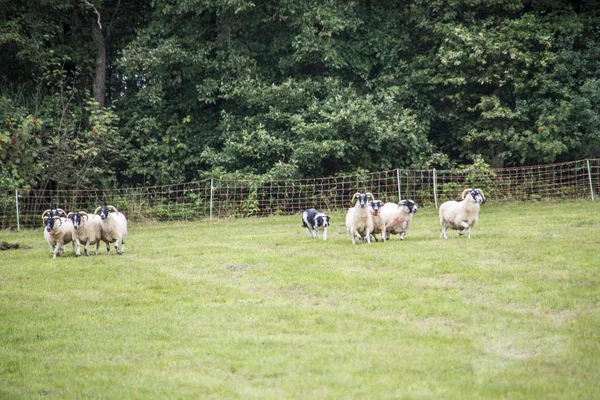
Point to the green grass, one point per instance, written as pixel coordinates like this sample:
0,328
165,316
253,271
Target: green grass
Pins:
255,308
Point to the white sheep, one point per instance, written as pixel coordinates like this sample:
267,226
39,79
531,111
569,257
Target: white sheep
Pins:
397,217
58,231
88,230
378,225
461,215
114,227
359,221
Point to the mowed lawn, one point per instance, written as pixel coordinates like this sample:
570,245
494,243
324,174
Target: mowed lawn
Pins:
255,308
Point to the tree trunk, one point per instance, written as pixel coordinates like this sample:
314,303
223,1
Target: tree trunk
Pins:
100,78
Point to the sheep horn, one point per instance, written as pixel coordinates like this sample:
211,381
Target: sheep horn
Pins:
97,209
464,193
60,210
112,208
369,194
69,214
355,196
56,217
84,216
44,213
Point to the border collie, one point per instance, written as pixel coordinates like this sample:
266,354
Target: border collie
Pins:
314,220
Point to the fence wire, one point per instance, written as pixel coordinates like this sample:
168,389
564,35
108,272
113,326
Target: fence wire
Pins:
215,198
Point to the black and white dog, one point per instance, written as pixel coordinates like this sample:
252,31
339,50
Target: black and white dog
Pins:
314,220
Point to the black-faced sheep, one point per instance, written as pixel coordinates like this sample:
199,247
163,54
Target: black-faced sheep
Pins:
397,217
359,221
114,227
461,215
58,231
88,230
378,224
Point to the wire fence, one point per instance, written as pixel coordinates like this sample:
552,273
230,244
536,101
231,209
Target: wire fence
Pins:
217,198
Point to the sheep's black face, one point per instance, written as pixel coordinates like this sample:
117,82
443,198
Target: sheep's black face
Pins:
76,218
375,206
363,200
412,206
103,212
49,223
478,196
49,220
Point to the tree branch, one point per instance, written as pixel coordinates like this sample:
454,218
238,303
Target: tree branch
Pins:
112,19
96,11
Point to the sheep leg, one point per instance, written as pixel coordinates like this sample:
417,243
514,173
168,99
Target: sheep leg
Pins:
56,250
402,235
368,237
78,251
122,242
443,234
97,247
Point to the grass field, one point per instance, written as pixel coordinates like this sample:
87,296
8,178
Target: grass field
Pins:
255,308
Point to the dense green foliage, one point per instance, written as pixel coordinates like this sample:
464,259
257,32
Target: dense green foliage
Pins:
151,92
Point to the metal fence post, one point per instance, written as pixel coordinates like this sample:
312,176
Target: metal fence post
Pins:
17,206
435,189
212,188
590,177
398,181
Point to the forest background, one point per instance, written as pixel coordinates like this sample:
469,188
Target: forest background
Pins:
103,94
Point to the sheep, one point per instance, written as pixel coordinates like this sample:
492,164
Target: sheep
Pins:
88,230
58,231
114,227
378,225
359,221
397,217
461,215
